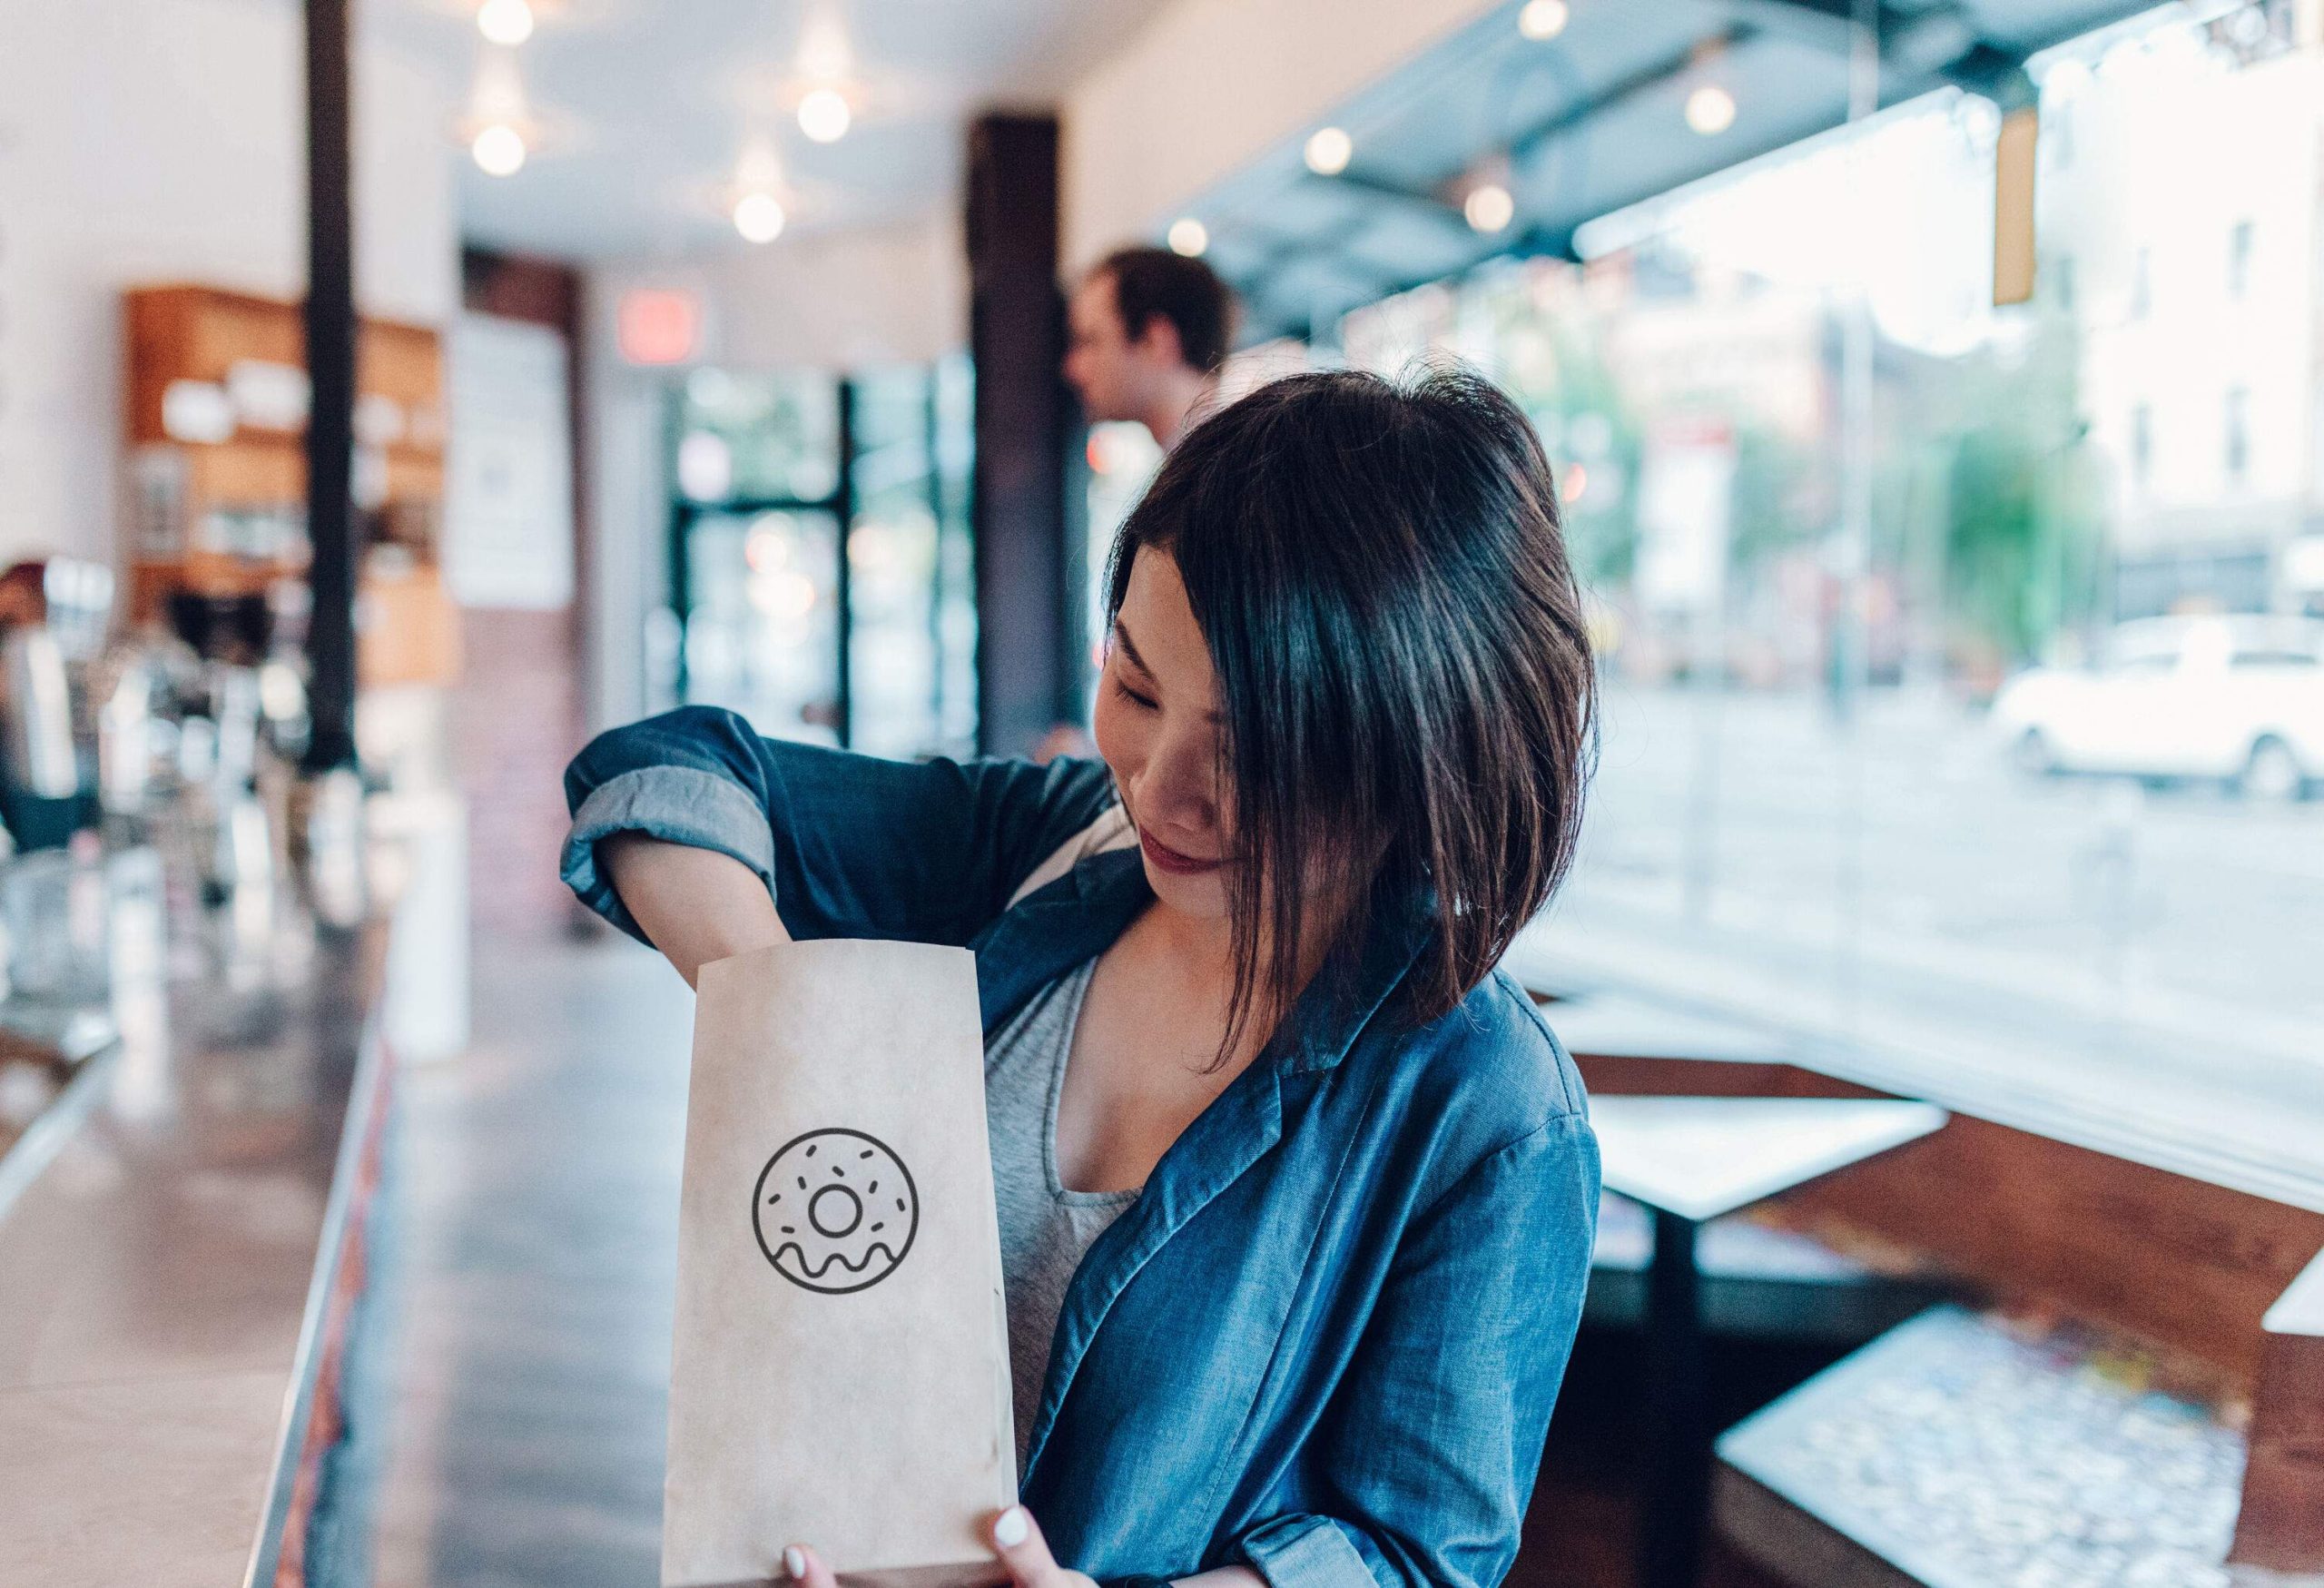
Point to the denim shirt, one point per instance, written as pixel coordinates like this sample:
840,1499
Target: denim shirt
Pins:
1326,1339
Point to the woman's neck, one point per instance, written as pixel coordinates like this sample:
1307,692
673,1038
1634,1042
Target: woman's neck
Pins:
1201,948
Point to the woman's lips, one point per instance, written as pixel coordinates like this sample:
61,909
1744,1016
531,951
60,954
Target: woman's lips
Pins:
1170,860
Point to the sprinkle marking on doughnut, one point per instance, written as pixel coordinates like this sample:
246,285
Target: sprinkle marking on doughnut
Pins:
862,1251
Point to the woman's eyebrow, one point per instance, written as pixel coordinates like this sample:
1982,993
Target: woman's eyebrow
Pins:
1130,650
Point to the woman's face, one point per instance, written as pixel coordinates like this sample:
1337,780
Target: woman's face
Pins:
1157,726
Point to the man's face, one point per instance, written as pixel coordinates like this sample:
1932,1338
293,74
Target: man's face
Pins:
1104,365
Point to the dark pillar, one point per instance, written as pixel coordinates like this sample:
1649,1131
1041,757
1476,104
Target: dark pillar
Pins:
330,367
1027,661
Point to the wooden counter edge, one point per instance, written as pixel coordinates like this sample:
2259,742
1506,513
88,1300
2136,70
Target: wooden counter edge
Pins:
2281,1526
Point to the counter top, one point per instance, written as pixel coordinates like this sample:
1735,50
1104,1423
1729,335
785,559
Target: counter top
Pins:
170,1232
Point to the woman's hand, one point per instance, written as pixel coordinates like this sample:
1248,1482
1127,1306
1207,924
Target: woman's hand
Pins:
1016,1540
1014,1536
696,905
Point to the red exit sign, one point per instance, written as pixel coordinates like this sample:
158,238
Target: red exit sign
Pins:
658,325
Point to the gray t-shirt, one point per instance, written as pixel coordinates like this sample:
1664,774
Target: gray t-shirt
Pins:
1044,1228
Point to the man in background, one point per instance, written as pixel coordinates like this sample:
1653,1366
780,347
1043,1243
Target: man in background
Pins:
1145,332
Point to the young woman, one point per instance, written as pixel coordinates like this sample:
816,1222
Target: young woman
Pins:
1296,1189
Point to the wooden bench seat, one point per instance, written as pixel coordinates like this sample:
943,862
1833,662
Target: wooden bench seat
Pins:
1961,1450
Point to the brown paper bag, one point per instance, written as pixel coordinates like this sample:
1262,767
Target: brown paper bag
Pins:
840,1375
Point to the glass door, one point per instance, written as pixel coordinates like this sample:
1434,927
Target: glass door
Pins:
821,580
760,631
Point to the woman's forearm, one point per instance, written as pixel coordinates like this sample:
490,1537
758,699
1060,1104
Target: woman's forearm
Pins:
696,905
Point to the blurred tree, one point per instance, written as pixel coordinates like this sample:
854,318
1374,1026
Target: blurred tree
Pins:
1989,510
1773,476
2022,519
1548,353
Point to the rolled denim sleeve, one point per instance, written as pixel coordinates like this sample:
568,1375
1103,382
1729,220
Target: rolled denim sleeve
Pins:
1434,1438
1304,1550
682,805
847,845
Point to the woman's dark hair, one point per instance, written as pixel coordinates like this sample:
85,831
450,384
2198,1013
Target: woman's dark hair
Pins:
1151,282
1401,660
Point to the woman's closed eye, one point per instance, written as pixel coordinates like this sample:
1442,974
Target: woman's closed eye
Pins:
1133,696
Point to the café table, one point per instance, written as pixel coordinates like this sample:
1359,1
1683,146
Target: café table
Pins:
1690,1160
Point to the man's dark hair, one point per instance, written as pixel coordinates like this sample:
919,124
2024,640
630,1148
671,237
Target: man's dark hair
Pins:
1151,281
1403,662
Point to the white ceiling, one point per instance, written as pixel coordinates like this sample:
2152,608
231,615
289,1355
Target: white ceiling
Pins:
649,105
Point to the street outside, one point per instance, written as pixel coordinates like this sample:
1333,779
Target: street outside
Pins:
1899,888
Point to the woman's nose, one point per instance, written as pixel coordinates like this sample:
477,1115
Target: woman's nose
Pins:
1180,792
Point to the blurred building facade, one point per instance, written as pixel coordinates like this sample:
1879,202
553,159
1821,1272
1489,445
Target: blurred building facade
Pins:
2182,226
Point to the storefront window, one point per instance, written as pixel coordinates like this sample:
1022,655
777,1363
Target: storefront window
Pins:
1958,705
912,584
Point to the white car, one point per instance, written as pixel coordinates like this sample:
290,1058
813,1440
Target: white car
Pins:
2238,698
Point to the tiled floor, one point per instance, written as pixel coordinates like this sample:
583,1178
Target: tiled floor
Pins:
529,1276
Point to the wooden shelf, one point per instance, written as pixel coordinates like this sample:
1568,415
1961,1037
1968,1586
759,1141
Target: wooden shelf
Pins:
207,334
214,413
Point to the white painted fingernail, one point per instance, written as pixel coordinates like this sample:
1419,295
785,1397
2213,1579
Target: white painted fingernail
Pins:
795,1561
1012,1528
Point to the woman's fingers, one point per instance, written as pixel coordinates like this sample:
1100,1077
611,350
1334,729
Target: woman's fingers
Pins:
1016,1540
806,1568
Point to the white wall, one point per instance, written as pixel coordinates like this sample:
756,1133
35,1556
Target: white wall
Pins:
832,299
147,141
1209,84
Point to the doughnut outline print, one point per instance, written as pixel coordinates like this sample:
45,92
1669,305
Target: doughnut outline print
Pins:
834,1199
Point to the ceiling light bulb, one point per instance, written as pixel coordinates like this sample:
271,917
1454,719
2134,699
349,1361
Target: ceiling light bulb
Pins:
759,217
498,149
1328,150
505,22
1489,207
824,115
1544,19
1188,236
1710,110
